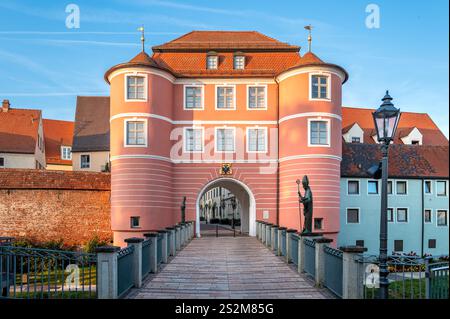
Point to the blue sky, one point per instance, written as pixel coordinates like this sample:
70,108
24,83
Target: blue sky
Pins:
45,65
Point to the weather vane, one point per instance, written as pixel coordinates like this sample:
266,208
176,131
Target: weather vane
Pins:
142,30
309,28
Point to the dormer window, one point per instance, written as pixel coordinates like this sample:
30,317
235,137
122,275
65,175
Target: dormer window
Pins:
239,62
66,153
412,137
212,61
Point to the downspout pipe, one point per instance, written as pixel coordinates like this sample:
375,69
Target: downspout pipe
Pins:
423,220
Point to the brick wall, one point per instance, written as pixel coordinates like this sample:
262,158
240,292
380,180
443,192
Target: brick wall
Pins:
51,205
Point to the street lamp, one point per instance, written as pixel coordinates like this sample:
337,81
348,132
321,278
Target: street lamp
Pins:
386,119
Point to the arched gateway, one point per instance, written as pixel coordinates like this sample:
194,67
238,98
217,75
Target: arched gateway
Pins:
243,194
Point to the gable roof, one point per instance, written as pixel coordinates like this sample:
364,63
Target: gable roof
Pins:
225,40
405,161
432,135
91,132
19,130
57,133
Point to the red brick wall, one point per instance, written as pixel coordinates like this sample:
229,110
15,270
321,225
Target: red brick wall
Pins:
52,205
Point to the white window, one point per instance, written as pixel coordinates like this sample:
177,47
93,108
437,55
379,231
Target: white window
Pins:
427,187
212,62
442,217
239,62
402,188
319,133
225,98
390,215
2,162
225,138
136,133
352,215
427,216
389,187
256,140
136,88
372,187
441,188
193,139
66,153
353,188
320,88
402,215
193,97
85,161
257,97
356,139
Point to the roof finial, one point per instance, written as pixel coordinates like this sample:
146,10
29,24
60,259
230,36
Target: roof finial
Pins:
142,37
309,28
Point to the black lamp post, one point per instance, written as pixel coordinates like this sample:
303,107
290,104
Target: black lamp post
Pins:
233,205
386,119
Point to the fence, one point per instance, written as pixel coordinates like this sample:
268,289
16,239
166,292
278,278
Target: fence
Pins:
146,250
310,259
333,273
294,249
438,280
124,270
31,273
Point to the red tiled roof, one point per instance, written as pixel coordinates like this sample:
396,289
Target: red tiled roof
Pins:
432,135
18,130
57,133
405,161
225,40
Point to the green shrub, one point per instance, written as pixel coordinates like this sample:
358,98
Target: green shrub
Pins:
93,243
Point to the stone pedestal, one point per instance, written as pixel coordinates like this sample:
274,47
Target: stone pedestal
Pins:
107,272
350,285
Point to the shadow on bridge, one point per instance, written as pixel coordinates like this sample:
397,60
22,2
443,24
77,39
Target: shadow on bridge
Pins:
217,230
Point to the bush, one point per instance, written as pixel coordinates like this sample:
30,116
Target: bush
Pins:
93,243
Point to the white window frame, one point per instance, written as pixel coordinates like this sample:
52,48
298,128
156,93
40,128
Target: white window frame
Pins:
265,97
359,215
392,188
406,187
81,161
216,97
393,215
125,125
235,57
326,74
437,213
378,187
145,76
216,149
446,188
62,153
431,216
185,150
185,86
319,119
359,187
407,215
431,187
216,57
266,142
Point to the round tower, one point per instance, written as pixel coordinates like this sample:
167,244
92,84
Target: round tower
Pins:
141,95
310,141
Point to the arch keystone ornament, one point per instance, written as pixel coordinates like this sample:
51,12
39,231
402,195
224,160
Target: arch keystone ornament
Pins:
226,169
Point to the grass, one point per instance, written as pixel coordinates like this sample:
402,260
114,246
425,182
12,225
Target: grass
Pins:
87,275
54,295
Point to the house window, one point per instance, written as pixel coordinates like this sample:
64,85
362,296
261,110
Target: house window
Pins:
389,187
193,97
353,187
390,215
135,87
441,188
66,153
401,188
442,217
136,133
360,243
356,139
319,87
372,187
431,243
402,215
318,133
398,245
352,216
134,222
318,223
256,97
239,62
85,161
256,140
225,97
225,140
193,140
212,62
2,162
427,215
427,187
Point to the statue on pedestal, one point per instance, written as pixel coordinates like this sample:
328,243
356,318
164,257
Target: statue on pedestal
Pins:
307,202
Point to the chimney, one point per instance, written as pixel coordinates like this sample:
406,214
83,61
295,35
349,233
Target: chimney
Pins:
5,106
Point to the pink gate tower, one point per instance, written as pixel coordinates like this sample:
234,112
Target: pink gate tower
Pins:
238,110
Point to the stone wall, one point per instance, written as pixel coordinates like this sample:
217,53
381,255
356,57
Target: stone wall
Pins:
46,205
